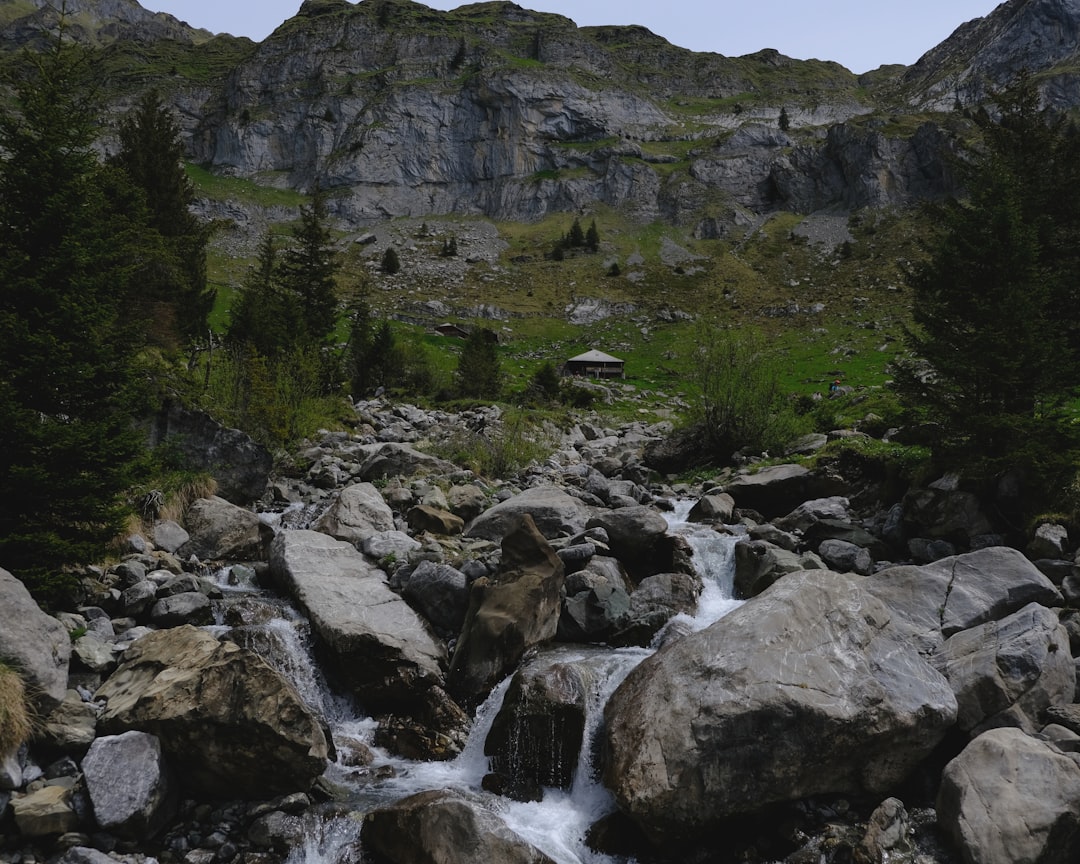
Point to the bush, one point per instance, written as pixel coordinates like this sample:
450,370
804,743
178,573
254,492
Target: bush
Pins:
391,264
501,451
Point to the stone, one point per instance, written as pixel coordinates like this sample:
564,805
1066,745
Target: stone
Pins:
810,512
225,718
466,501
718,507
192,607
401,460
845,557
508,614
638,537
169,535
946,513
936,600
129,784
139,597
1050,541
390,543
554,513
48,811
36,644
440,593
357,512
804,690
92,652
777,490
1008,672
222,531
423,518
1009,797
444,826
72,726
758,564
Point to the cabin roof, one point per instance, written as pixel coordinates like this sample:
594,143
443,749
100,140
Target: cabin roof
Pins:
594,357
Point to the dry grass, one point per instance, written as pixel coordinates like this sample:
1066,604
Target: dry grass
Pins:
171,503
16,721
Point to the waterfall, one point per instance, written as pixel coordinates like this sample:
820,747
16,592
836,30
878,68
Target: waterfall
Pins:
557,825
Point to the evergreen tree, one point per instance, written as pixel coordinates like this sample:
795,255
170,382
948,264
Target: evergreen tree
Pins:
391,264
994,304
785,121
358,352
478,375
71,258
576,237
592,237
265,317
309,269
152,157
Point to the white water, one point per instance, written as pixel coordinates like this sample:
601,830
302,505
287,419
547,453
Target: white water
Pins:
558,824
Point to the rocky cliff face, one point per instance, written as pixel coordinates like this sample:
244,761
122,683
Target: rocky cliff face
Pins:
494,110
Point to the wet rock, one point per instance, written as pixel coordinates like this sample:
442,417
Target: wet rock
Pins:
192,607
718,507
759,564
636,535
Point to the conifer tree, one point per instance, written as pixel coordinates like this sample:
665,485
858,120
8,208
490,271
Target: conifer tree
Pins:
576,237
592,237
309,269
152,157
478,375
71,259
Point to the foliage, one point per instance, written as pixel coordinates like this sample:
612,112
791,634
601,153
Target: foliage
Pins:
742,403
499,451
995,309
152,157
592,237
73,254
15,717
544,384
478,375
391,263
308,273
785,120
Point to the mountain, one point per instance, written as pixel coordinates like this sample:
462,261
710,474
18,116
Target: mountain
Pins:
495,110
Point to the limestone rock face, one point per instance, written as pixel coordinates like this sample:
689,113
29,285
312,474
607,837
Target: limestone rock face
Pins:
357,513
552,511
444,826
934,601
129,784
229,724
806,689
508,614
1009,797
34,643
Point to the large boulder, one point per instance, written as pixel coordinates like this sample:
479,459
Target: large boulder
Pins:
240,466
1008,672
36,644
1009,798
943,510
779,489
376,644
401,460
759,563
229,723
129,784
636,535
443,827
509,613
358,512
222,531
45,811
934,601
554,512
805,690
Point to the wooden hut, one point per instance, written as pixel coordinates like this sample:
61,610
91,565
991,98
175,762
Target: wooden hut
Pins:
595,364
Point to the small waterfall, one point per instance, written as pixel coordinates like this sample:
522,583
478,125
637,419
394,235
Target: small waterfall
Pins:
557,825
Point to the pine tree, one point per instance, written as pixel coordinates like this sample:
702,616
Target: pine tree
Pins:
592,237
71,257
309,269
478,375
576,238
391,264
152,157
785,120
358,352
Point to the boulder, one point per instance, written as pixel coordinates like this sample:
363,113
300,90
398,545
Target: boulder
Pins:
440,593
637,538
845,557
93,653
238,464
811,512
779,489
1008,672
222,531
466,501
357,512
934,601
1049,541
943,511
508,613
44,812
36,644
129,784
169,535
386,543
443,826
805,690
191,607
718,507
375,643
553,512
71,727
1009,797
423,518
229,723
595,613
758,564
535,739
401,460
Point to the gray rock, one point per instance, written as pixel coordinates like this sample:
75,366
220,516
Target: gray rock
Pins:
94,653
836,699
169,535
845,557
810,512
444,826
778,489
129,784
759,564
222,531
401,460
72,726
139,597
553,512
936,600
466,501
1009,797
397,543
225,718
1008,672
192,607
718,507
1050,541
357,512
35,643
440,593
943,512
636,536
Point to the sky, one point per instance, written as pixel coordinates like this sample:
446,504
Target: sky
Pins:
859,34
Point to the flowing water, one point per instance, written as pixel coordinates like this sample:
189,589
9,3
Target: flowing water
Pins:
558,824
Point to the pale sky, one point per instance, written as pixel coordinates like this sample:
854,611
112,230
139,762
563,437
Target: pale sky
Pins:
860,34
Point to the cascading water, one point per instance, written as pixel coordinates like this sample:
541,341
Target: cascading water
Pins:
557,825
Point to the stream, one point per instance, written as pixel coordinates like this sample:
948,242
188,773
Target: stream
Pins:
557,825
